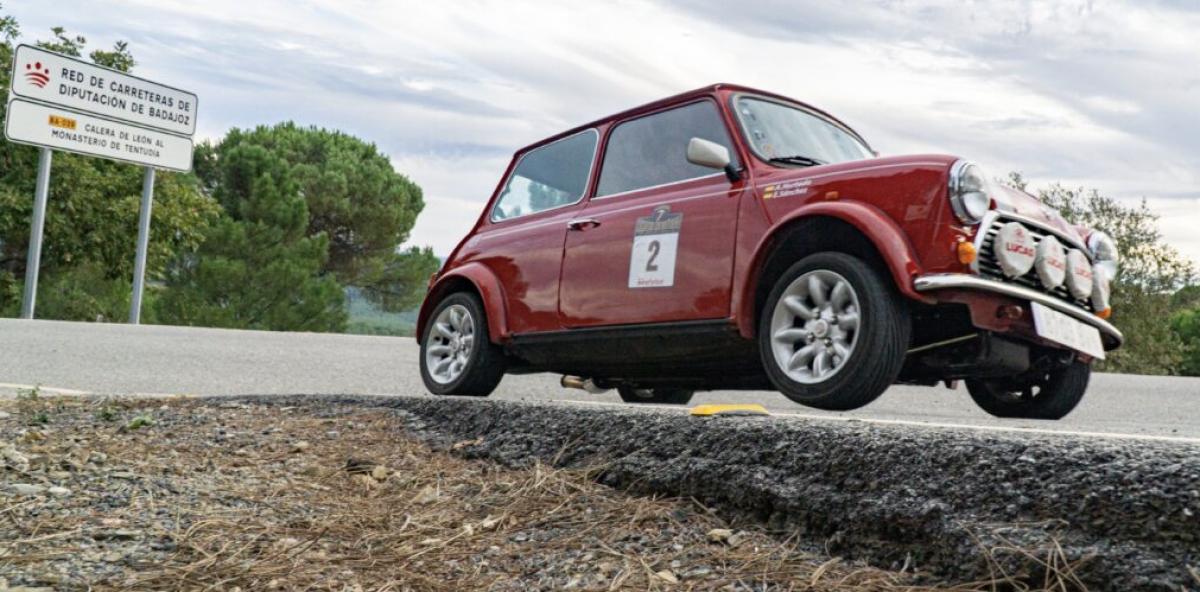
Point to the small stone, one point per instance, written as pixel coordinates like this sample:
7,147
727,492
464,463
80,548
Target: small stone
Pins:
57,491
427,495
719,535
97,458
364,480
666,576
26,489
14,457
5,415
300,446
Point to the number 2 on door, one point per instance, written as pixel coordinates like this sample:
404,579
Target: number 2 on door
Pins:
652,263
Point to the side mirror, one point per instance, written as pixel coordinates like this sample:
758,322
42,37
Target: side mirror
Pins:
713,155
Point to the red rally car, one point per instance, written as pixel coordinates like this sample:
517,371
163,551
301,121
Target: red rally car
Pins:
730,238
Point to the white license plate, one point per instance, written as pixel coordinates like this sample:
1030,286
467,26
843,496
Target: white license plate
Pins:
1064,330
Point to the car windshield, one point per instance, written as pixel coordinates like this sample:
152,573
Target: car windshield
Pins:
782,133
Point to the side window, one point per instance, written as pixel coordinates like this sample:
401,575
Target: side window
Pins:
548,177
652,150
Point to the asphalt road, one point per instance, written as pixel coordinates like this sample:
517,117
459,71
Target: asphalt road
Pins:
95,358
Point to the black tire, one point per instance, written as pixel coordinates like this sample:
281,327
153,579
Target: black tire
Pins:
882,336
1049,394
485,361
661,396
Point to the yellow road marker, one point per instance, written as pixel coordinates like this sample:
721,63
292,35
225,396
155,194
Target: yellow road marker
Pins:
710,410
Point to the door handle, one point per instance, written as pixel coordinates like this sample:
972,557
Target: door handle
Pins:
582,224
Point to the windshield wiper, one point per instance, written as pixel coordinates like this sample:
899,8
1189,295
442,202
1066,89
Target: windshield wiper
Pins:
797,159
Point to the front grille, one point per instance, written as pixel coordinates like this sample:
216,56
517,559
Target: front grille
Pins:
989,267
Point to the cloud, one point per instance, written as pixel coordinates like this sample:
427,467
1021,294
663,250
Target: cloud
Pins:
1087,92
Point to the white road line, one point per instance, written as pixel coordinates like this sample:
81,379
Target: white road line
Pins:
66,392
927,424
43,389
986,428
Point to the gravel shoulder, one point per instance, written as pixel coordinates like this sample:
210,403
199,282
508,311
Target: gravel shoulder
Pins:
1110,514
189,494
405,493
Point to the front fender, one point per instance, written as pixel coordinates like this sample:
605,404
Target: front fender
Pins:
888,238
471,276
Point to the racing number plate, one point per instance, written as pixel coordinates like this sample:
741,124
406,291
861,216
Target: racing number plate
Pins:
1062,329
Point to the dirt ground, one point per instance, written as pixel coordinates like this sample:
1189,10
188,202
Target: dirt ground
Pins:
192,494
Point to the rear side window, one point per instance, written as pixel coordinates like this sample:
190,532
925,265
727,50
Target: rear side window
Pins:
548,177
652,150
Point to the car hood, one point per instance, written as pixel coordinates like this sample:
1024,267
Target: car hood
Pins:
1018,202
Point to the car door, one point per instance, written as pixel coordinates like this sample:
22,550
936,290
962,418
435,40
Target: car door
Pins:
656,241
522,240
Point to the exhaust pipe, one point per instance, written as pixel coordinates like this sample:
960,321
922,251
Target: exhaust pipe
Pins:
584,384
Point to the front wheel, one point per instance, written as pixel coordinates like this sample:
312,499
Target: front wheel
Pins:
661,396
457,358
833,333
1048,394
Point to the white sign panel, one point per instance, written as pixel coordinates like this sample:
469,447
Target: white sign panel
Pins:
655,247
60,80
64,129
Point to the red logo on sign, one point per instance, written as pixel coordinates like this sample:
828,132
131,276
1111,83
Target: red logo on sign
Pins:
37,75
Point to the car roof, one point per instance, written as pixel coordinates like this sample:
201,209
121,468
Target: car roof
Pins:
682,97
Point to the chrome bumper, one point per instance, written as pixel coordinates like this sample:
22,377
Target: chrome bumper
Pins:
962,281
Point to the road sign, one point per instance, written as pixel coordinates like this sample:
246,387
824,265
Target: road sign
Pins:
62,103
56,79
64,129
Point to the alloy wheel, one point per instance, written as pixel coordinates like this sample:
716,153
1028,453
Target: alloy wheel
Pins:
450,344
815,326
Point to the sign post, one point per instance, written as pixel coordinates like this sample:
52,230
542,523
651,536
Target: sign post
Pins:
57,102
33,260
143,244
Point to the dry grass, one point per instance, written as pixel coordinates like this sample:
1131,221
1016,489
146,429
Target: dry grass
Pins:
320,498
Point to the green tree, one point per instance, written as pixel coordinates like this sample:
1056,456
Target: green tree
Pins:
1151,272
1186,326
355,198
91,215
257,268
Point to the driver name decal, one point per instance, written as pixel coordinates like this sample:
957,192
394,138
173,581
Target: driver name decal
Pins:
786,189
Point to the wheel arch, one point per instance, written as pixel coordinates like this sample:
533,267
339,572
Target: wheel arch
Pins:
477,279
849,227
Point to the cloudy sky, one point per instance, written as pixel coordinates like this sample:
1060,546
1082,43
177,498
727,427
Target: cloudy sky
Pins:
1086,92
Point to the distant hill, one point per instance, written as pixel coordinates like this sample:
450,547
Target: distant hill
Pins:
368,319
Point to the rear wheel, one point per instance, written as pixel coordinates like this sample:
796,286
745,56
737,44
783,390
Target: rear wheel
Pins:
1044,394
833,332
457,358
661,396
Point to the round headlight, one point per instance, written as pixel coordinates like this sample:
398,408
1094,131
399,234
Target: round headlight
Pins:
969,192
1104,252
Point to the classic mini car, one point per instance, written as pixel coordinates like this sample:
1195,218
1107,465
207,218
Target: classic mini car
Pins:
730,238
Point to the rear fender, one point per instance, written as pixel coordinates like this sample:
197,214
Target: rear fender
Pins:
475,277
